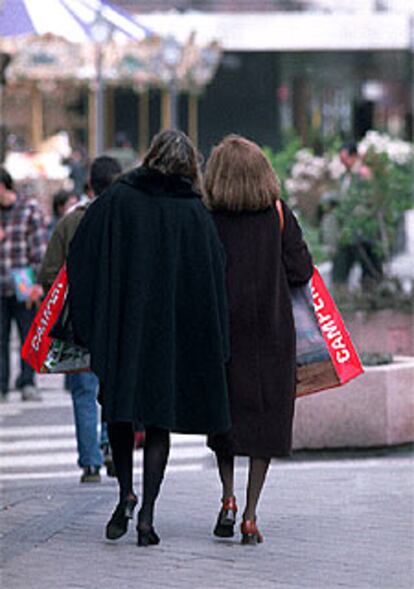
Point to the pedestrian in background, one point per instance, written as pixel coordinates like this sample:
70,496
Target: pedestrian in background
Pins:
78,166
83,385
147,297
356,248
263,262
62,202
23,239
123,151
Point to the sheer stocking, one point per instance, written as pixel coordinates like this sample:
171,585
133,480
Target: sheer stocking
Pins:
257,475
156,451
121,438
226,471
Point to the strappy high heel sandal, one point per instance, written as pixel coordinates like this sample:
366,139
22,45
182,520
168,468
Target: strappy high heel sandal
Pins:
226,518
118,524
250,532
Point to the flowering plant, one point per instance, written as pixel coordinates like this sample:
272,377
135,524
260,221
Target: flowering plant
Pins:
374,204
302,177
399,152
377,197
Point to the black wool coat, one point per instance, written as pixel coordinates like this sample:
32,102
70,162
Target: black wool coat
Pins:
147,295
262,263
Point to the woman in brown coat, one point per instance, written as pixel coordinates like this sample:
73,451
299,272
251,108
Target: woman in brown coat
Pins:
264,260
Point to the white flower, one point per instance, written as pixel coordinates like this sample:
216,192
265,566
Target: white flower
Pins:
303,186
290,186
304,155
298,170
398,151
336,169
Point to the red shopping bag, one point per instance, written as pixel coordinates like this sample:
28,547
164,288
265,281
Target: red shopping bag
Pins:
37,344
325,354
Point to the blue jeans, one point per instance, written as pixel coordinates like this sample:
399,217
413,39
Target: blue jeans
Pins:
84,388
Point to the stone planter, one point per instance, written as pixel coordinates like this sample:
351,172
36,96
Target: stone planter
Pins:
376,409
386,331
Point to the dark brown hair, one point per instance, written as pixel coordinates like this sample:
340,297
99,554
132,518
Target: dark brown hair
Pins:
239,177
172,152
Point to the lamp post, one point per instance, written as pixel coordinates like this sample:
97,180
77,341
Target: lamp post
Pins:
200,74
171,55
101,32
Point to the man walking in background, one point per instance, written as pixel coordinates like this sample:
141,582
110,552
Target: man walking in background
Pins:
83,385
354,248
23,240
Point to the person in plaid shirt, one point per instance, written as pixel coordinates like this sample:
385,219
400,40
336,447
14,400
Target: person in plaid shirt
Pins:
23,240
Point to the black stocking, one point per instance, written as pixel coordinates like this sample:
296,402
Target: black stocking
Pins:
157,447
121,438
226,471
257,475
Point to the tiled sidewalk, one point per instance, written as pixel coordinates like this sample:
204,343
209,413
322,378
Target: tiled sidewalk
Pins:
326,524
342,522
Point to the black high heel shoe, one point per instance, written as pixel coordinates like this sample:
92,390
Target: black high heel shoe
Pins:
118,524
226,518
147,536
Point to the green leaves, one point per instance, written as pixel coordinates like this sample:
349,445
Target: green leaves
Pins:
372,209
282,161
373,205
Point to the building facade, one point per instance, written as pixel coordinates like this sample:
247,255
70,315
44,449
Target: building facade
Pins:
314,68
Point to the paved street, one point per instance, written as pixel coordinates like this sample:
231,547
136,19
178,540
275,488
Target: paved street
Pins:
328,521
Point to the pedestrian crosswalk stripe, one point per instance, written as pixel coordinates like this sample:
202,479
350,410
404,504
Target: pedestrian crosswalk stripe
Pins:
64,474
48,451
36,445
62,458
7,409
29,431
357,464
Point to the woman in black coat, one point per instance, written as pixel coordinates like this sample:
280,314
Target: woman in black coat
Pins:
147,296
263,262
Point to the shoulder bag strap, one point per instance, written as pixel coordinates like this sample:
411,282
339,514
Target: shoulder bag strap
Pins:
279,209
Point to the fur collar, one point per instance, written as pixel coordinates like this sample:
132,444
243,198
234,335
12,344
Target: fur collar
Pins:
156,183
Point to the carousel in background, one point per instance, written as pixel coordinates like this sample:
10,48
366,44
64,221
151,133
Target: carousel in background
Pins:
59,69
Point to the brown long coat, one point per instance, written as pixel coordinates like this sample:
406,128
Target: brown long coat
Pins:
262,263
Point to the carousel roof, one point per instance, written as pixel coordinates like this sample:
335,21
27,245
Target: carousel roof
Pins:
57,40
71,19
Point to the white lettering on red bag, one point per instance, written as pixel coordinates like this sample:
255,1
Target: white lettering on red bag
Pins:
343,356
46,316
334,337
317,302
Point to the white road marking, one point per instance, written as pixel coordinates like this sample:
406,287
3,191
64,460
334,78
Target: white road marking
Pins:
36,445
69,458
36,452
14,408
65,474
29,431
